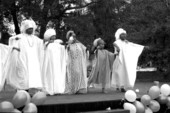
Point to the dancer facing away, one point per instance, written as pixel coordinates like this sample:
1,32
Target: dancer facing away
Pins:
54,65
76,77
29,60
14,65
101,71
4,54
124,66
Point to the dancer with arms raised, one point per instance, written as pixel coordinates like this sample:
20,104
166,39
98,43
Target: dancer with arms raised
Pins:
125,64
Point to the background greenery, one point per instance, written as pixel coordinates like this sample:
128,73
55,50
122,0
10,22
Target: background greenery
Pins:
147,22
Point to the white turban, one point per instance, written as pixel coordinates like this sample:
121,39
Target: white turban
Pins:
26,24
49,32
96,41
11,29
68,34
118,32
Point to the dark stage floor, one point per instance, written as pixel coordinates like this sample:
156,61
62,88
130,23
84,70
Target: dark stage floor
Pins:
93,95
92,101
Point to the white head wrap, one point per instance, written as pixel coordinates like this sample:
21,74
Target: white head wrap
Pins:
26,24
96,41
118,32
49,32
68,34
11,29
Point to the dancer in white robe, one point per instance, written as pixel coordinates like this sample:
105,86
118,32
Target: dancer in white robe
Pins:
14,66
4,54
54,66
125,64
27,67
76,77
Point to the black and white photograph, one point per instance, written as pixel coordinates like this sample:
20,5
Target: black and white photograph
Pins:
84,56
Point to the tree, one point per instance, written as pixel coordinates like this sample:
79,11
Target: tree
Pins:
147,23
104,20
42,11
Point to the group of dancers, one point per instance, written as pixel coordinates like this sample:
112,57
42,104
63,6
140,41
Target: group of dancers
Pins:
29,62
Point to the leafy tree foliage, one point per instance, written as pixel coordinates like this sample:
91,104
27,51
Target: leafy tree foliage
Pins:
42,11
147,22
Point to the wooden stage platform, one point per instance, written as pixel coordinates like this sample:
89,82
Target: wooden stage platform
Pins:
93,101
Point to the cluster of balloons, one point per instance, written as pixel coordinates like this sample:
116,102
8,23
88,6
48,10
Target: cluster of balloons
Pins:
150,102
23,99
131,96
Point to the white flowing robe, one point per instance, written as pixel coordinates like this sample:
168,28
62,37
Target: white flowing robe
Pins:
14,67
24,67
4,54
54,69
124,66
76,77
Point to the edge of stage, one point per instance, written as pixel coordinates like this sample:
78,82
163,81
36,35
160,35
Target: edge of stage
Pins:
94,101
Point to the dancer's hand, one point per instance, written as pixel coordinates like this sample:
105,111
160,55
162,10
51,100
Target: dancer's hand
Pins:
117,47
147,47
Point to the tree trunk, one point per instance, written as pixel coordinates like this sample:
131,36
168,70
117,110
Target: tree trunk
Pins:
43,28
15,20
45,19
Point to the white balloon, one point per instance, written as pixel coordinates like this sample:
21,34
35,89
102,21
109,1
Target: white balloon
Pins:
154,106
137,90
165,89
19,99
154,92
28,96
148,110
6,106
130,107
130,95
140,108
16,111
39,98
145,99
30,108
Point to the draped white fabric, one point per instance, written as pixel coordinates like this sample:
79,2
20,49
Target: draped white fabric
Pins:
76,77
14,67
124,66
54,68
30,56
4,53
24,67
